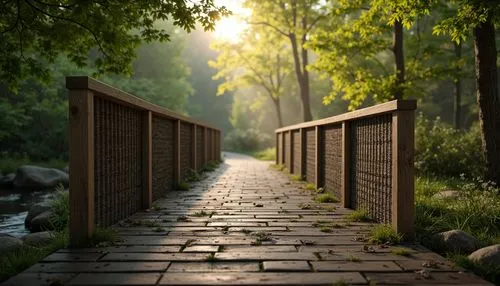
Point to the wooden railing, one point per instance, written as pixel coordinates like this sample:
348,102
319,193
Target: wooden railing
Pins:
365,157
125,153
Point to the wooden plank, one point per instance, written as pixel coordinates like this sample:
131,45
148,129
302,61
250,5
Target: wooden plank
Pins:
147,160
81,164
403,185
378,109
346,153
177,152
193,148
113,94
317,154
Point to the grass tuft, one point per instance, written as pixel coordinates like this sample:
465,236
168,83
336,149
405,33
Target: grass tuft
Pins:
268,154
296,178
401,252
384,234
358,216
183,186
326,198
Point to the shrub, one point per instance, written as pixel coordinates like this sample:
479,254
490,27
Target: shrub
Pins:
247,140
384,233
60,209
445,152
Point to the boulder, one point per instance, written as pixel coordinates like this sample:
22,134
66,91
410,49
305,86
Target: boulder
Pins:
33,212
488,255
39,238
447,194
7,180
456,241
41,222
9,243
32,177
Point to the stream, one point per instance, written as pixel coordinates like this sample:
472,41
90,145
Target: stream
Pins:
14,206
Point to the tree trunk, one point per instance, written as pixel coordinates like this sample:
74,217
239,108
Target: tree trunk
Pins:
487,97
302,80
397,48
458,89
277,107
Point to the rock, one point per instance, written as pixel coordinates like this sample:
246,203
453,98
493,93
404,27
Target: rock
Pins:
33,212
66,169
447,194
456,241
42,222
9,243
32,177
39,238
8,180
487,255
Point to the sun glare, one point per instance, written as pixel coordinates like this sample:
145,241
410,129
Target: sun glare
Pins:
230,28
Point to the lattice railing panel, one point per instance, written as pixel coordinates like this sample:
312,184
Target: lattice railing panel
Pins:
331,158
200,147
288,147
163,156
310,156
370,176
118,156
296,152
186,149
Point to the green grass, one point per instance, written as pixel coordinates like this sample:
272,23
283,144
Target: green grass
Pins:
211,258
296,178
183,186
358,216
326,198
310,187
384,234
20,259
353,258
489,272
10,165
268,154
325,228
203,213
401,251
278,167
103,237
60,209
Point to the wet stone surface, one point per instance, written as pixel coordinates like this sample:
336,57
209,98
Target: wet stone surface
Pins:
243,225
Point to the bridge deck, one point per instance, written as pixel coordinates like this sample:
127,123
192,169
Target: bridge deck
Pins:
243,225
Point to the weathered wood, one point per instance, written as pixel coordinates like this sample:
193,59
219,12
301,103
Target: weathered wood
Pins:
303,159
147,160
113,94
205,145
194,149
403,185
378,109
346,153
277,151
177,153
317,154
291,152
81,164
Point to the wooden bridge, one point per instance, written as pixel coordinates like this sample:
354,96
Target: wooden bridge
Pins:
244,224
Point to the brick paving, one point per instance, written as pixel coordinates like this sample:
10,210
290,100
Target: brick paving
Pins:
243,225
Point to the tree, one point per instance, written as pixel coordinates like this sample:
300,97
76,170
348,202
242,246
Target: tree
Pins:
295,20
250,63
34,33
480,17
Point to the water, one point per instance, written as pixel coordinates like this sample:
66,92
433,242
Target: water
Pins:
14,206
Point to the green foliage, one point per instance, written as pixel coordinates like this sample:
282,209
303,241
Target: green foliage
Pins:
193,176
183,186
360,215
384,234
327,198
77,29
401,251
297,178
445,152
203,213
102,237
475,211
310,187
268,154
60,209
18,260
246,140
278,167
10,165
488,272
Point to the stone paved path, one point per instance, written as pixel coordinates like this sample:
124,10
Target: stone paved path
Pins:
244,225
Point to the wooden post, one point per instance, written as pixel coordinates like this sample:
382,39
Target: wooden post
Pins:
193,149
303,159
317,154
147,160
277,151
283,149
81,164
403,196
177,153
292,155
205,145
346,153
